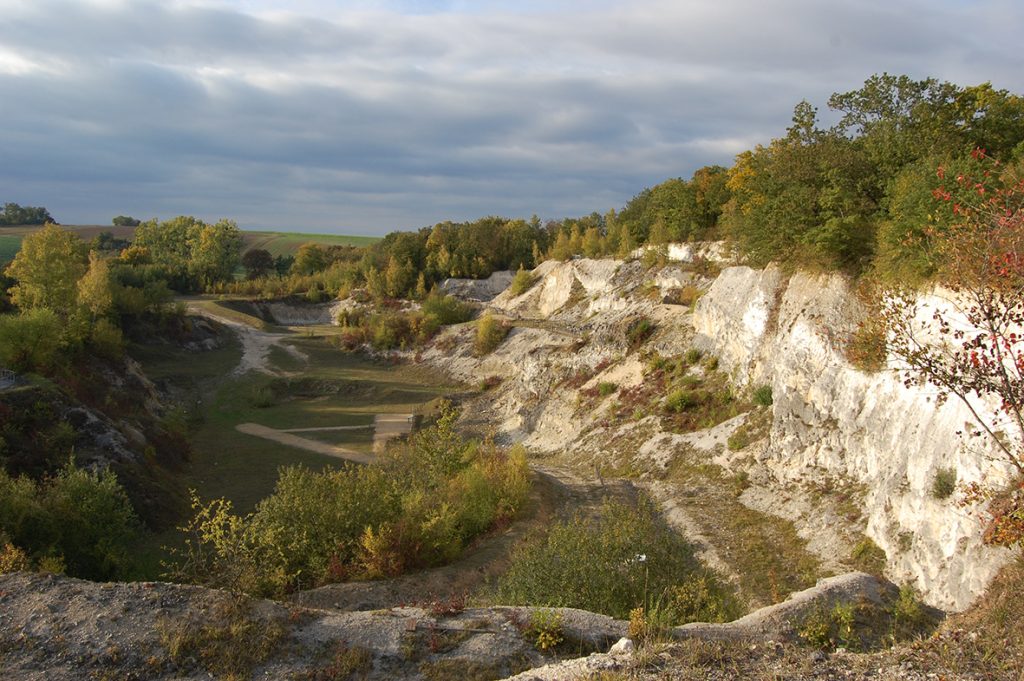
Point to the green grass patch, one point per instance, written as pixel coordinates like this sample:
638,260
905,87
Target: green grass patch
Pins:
633,559
867,556
239,311
770,560
335,389
287,243
9,247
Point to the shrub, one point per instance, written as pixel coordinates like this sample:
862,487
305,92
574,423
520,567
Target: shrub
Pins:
763,396
651,623
522,282
79,519
685,399
866,348
13,559
702,598
828,629
546,629
630,555
315,294
944,483
97,525
420,504
909,617
693,356
446,309
262,397
868,556
107,340
638,331
490,332
30,341
605,388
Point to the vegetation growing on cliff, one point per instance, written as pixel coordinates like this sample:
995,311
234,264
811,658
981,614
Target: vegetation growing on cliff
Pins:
973,349
418,506
76,522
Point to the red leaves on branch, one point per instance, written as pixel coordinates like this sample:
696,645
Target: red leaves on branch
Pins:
975,348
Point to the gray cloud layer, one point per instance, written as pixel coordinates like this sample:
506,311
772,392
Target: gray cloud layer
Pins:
394,115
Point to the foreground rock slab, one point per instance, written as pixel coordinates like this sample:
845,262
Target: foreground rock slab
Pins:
57,628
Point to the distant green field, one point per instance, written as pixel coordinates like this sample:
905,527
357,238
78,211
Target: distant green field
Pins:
286,243
9,246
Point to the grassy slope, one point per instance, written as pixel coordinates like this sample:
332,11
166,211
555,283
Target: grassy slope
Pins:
285,243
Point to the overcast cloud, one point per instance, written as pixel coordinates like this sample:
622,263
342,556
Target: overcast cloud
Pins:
363,117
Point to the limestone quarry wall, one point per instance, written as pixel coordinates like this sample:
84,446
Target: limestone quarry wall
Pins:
830,417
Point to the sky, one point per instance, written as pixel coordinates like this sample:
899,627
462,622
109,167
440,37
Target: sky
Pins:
368,116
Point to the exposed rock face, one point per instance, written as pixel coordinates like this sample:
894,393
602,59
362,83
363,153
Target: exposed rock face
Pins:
479,290
830,421
296,314
870,428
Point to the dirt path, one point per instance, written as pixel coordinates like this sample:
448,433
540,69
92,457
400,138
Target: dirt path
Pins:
385,427
324,429
293,440
389,426
256,343
683,522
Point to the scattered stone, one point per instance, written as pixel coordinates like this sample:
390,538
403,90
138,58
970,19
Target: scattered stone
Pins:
624,646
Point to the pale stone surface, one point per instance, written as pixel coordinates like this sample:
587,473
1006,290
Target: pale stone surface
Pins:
870,428
480,290
829,423
622,647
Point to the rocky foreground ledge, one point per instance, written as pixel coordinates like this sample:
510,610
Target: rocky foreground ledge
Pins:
58,628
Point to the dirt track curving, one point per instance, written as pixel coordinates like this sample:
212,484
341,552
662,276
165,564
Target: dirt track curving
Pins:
293,440
256,343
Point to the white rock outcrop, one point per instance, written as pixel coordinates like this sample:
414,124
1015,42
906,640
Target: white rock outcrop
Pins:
479,290
828,417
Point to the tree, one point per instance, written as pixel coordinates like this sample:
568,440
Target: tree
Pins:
214,251
31,340
375,284
13,214
168,241
975,351
593,243
48,267
562,248
283,264
258,262
95,291
398,278
125,221
309,259
106,241
189,252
